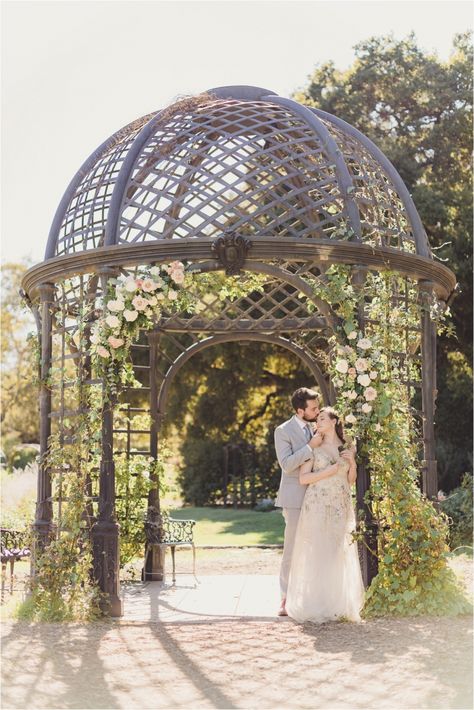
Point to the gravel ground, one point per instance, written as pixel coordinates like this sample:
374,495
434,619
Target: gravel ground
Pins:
387,663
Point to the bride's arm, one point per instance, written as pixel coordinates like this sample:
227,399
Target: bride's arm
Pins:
352,473
309,476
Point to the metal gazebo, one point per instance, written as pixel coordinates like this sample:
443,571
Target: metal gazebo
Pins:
237,178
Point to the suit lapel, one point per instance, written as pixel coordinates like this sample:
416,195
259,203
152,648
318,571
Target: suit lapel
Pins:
298,431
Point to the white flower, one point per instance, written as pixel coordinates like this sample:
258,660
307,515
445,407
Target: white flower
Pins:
95,339
378,427
338,383
348,350
352,335
130,315
140,303
103,352
155,270
172,295
352,394
112,321
370,394
176,266
361,364
115,342
350,419
363,380
342,366
160,296
130,285
364,343
373,375
152,301
366,408
116,306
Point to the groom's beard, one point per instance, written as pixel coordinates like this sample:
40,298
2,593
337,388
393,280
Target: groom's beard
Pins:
311,421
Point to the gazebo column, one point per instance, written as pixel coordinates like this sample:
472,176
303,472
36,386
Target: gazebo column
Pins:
428,390
368,559
43,526
105,531
154,569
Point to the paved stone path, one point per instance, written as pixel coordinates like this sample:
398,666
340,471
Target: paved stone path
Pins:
203,598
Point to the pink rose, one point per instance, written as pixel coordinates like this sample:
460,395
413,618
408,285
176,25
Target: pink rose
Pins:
103,352
115,342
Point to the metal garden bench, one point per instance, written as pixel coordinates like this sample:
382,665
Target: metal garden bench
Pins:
170,532
12,548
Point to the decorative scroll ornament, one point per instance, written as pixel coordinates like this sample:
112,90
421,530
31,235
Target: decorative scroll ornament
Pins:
231,250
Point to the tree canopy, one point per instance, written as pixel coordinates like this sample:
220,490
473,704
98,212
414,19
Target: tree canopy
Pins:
418,110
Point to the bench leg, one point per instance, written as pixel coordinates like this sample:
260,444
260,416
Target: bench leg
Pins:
194,561
173,551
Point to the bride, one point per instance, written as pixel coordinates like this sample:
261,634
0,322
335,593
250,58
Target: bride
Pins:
325,579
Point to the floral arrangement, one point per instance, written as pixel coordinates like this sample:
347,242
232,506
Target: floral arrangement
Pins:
133,303
358,372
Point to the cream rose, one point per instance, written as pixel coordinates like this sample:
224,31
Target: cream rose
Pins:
361,364
172,295
112,321
370,394
103,352
350,419
352,394
148,285
115,342
342,366
130,316
373,375
366,408
363,380
352,335
364,343
177,276
116,306
139,303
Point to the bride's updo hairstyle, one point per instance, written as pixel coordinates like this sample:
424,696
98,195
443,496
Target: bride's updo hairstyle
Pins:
334,415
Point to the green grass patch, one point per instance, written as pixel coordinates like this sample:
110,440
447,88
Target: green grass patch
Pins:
226,526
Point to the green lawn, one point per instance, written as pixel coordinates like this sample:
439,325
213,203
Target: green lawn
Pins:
226,526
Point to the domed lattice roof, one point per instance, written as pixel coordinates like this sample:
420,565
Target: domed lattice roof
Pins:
238,159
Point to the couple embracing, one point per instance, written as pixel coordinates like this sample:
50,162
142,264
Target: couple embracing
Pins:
320,577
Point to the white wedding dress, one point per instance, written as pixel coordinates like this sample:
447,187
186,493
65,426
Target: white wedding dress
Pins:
325,579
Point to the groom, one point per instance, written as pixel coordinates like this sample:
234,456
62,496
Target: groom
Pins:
294,442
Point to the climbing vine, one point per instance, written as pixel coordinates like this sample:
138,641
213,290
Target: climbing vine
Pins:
369,376
370,370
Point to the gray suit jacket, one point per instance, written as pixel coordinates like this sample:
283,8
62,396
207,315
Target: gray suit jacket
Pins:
292,451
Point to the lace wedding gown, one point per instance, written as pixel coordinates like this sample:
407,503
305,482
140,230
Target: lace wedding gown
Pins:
325,579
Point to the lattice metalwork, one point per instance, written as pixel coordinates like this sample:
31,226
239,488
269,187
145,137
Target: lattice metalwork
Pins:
263,167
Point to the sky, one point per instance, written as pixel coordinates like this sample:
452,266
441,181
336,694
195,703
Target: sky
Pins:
75,72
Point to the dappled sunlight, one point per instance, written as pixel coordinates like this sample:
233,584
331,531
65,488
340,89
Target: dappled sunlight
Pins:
239,664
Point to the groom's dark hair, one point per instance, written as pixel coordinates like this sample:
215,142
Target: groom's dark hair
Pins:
299,398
